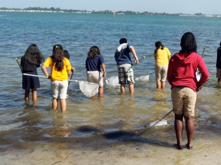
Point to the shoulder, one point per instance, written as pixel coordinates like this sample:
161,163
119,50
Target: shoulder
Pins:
101,56
49,59
129,46
174,57
65,59
166,48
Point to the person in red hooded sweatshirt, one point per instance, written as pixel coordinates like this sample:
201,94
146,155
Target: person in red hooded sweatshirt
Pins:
182,78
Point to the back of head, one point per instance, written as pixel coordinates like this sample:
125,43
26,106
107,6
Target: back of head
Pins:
57,57
33,55
123,40
158,45
188,43
66,54
93,52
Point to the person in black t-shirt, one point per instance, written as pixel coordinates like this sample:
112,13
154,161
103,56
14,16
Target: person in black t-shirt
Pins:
29,64
218,64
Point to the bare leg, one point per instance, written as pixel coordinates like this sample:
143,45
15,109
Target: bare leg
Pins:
63,105
189,129
158,83
54,103
122,88
219,81
178,125
34,96
163,84
101,91
131,88
27,91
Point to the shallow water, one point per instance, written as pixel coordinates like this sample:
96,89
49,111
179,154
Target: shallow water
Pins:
86,118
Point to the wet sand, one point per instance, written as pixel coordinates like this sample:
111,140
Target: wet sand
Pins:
153,147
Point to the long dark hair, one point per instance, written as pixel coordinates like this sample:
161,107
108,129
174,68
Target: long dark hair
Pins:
93,52
188,43
33,55
158,44
57,57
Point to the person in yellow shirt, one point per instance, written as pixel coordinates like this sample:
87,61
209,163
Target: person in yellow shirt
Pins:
60,71
162,57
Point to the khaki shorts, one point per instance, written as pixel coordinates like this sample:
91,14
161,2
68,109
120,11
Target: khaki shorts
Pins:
161,73
184,101
95,77
218,73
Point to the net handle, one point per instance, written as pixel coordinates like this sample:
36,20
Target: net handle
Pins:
33,75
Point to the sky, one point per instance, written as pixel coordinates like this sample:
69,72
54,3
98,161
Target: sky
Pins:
160,6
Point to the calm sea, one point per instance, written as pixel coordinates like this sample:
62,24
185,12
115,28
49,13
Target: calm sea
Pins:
77,33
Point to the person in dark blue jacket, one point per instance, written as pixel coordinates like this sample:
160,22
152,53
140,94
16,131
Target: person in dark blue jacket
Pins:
94,63
124,62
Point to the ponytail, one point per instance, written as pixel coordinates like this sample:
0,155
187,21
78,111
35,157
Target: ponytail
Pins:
158,44
57,57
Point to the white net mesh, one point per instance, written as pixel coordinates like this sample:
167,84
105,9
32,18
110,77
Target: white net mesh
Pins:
114,81
88,89
142,78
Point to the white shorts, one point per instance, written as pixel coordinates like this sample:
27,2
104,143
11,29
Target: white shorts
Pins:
95,77
59,89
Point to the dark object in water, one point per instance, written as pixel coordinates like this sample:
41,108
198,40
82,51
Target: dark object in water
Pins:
118,134
87,128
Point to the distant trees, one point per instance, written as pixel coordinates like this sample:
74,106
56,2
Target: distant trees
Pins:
85,11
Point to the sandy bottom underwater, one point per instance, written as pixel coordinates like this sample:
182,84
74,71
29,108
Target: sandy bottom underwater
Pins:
98,150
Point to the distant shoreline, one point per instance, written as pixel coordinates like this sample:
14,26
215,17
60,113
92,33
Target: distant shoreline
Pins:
58,10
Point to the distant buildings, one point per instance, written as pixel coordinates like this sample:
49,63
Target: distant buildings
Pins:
58,10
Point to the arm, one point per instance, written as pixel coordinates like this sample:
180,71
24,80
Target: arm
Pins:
104,69
170,72
204,74
155,56
73,69
169,54
217,58
135,55
69,72
44,70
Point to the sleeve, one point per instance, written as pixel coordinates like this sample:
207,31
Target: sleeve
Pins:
101,59
68,64
128,47
168,52
48,62
204,73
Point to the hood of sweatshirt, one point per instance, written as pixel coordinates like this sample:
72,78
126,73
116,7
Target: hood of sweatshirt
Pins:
185,58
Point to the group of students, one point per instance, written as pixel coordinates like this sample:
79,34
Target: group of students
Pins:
179,70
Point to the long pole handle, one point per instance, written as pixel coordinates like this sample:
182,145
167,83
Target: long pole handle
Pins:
203,51
33,75
70,79
18,64
138,60
156,122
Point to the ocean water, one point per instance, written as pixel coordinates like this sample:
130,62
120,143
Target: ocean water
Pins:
21,122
